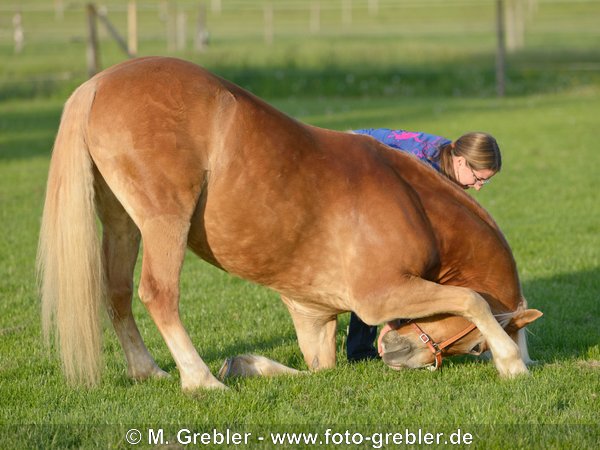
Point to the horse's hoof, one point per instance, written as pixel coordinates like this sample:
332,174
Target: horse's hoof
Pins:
155,372
242,366
513,369
159,373
210,383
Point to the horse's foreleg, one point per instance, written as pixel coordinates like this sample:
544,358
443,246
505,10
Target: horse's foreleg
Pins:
316,334
120,244
164,239
417,298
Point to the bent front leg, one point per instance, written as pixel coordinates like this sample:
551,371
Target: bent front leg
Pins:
417,298
315,330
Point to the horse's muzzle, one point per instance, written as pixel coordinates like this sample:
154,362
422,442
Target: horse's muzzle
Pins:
399,351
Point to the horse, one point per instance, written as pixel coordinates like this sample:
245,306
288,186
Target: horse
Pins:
162,151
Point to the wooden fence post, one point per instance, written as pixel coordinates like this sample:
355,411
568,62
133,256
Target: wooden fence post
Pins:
132,35
181,29
18,33
171,26
93,55
59,10
500,50
201,36
103,18
373,7
515,25
315,17
347,12
216,6
268,15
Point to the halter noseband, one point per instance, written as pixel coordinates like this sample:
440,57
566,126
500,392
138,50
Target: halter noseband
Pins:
438,348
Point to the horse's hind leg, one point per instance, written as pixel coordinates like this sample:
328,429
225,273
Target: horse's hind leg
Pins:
253,366
165,240
120,244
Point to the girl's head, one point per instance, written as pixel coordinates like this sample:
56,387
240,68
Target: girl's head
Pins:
471,160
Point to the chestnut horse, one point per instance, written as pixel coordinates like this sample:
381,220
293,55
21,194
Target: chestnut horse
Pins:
168,153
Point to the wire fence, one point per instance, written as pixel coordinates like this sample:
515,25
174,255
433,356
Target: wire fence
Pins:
59,29
65,21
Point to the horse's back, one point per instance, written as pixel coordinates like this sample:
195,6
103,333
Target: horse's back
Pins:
272,200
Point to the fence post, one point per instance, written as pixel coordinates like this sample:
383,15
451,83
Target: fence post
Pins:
132,38
102,16
93,55
181,29
268,15
515,25
59,10
19,33
163,11
500,50
315,17
373,7
347,12
201,37
171,26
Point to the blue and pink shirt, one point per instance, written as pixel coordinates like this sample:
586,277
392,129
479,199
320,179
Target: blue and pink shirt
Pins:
424,146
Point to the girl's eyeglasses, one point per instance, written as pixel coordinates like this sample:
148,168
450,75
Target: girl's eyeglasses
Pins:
482,181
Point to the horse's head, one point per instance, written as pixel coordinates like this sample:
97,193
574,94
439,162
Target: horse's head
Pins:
422,343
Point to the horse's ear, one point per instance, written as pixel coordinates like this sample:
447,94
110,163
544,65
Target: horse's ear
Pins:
522,319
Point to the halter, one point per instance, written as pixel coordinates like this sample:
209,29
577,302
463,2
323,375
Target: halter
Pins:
438,348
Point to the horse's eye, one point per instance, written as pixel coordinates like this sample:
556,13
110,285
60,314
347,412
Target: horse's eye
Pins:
476,350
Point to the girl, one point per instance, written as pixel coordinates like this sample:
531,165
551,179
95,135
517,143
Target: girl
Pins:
470,162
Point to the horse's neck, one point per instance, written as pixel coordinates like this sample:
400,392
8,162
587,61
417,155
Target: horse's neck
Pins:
473,252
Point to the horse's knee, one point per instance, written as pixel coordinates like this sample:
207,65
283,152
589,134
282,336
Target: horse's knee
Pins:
369,314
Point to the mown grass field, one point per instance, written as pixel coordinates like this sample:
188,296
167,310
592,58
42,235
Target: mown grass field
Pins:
433,73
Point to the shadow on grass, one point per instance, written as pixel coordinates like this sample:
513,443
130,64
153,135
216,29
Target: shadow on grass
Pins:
569,327
529,72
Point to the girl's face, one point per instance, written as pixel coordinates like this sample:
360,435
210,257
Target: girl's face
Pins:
469,178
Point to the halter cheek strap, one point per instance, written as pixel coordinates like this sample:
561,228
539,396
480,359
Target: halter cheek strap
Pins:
436,348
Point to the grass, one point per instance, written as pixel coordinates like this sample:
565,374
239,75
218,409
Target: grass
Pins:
545,200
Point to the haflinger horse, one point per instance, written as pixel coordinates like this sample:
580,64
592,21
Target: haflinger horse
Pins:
165,152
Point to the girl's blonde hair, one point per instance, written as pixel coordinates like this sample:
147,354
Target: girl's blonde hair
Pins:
480,151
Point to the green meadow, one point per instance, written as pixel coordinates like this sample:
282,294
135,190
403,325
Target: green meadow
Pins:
415,65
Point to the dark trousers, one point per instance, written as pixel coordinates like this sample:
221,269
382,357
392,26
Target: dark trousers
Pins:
361,338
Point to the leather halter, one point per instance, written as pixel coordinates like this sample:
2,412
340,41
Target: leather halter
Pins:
438,348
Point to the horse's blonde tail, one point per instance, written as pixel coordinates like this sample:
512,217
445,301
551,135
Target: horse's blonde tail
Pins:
69,261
